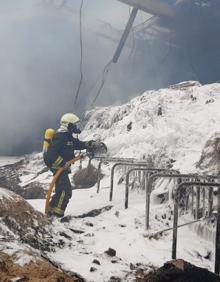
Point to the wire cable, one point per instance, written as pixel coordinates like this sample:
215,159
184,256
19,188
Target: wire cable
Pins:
81,53
103,80
104,73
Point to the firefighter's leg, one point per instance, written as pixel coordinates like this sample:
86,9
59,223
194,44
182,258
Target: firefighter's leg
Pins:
63,192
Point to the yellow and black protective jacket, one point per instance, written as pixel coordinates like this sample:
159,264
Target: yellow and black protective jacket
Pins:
61,149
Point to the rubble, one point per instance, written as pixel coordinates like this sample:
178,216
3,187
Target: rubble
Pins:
180,271
26,224
86,177
39,271
111,252
10,179
34,190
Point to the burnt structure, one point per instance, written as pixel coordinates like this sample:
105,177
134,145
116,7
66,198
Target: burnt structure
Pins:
180,41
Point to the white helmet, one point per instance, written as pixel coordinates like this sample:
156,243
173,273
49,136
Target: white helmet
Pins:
69,118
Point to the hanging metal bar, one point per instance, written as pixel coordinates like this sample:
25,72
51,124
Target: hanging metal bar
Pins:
125,35
154,7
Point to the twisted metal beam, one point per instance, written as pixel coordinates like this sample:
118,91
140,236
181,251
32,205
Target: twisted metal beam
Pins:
153,7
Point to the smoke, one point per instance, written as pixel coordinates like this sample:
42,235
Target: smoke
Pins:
40,72
40,59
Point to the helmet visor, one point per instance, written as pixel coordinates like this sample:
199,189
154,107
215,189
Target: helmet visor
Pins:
73,128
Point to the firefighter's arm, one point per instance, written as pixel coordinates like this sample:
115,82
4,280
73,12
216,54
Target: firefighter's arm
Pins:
91,146
79,145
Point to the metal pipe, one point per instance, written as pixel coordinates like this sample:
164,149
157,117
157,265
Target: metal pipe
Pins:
175,224
143,181
197,202
192,208
125,35
179,226
187,204
147,212
203,202
139,177
217,240
99,176
210,203
109,159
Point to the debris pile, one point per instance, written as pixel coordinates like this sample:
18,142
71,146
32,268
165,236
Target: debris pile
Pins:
27,225
86,177
180,271
38,271
10,178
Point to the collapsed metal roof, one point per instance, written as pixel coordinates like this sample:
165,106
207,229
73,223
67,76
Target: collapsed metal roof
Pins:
191,28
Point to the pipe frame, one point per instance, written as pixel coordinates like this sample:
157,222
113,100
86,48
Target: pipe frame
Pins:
102,160
139,164
148,170
153,177
210,185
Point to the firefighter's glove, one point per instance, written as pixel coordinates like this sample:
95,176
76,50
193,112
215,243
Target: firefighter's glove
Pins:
90,144
96,147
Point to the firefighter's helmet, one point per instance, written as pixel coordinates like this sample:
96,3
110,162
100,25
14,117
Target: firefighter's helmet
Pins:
69,118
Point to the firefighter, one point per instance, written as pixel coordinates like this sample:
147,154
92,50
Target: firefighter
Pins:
58,153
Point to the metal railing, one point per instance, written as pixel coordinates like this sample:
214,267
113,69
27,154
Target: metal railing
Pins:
113,159
210,185
153,177
134,164
103,160
190,180
149,172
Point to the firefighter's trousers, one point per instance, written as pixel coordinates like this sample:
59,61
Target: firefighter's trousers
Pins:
63,193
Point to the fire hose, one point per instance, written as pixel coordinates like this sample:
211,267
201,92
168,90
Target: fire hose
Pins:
55,178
